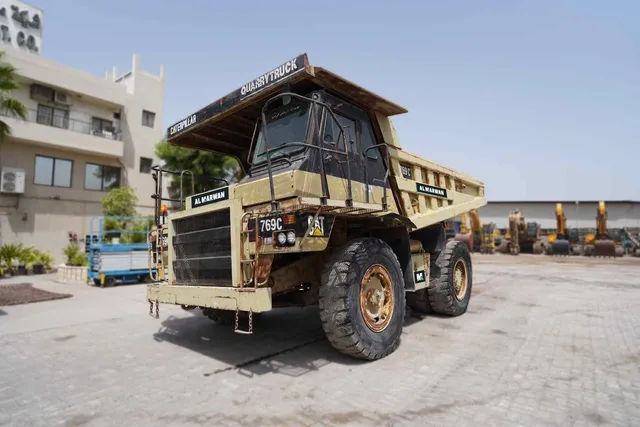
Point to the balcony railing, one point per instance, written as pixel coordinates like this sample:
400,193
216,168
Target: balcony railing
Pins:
57,120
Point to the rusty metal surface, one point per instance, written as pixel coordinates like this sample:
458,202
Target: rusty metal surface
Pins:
604,248
467,238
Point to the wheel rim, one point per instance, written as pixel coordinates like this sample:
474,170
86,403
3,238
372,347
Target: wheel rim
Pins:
460,279
377,298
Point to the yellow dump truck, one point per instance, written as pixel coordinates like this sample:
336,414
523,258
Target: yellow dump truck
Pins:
331,211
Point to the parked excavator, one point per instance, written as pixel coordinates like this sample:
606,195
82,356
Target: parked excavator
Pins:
524,237
470,235
488,239
603,245
631,242
561,244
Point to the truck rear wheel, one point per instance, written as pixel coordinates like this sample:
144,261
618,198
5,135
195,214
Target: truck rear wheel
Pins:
418,300
450,283
362,299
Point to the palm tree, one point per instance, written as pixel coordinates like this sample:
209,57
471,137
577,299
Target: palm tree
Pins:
9,107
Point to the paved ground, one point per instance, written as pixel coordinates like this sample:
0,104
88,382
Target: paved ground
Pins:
544,343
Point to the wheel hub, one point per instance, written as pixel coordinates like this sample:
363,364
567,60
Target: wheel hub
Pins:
460,279
376,298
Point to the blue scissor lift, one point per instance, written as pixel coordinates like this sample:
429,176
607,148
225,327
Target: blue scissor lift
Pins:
110,262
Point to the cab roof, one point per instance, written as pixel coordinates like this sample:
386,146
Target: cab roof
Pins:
227,125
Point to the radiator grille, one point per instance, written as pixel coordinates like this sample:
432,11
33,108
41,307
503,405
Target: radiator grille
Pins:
202,249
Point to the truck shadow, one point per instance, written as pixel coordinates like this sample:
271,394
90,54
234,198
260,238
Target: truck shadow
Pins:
287,341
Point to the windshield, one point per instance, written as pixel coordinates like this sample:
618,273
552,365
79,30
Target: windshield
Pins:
285,124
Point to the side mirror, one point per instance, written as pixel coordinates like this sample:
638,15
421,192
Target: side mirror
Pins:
372,157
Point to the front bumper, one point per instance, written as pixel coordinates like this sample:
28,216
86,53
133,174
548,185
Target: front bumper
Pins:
223,298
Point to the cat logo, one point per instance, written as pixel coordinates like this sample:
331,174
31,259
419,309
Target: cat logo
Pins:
318,228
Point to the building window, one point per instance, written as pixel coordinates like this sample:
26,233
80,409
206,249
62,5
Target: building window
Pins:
52,172
51,116
145,164
101,126
100,177
148,118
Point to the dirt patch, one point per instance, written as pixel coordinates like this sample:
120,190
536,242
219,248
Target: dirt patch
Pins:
595,418
448,326
528,304
499,332
25,293
64,338
571,348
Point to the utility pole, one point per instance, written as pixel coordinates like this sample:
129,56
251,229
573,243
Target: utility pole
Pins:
578,218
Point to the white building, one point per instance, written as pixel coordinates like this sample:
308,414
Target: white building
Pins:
83,136
579,214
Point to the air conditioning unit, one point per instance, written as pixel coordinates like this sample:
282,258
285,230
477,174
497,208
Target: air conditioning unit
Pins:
42,93
12,180
61,98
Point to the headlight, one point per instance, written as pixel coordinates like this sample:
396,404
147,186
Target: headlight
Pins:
282,239
291,237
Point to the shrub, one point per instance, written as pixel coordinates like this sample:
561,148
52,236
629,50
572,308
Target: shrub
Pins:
28,256
45,259
10,253
75,256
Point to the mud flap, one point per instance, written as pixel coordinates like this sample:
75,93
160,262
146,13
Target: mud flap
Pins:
420,272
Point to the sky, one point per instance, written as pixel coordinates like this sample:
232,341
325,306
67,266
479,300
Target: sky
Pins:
540,100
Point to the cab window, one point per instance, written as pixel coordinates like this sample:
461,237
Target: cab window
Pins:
331,135
367,141
372,158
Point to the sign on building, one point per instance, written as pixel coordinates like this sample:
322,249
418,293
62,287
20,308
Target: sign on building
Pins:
20,26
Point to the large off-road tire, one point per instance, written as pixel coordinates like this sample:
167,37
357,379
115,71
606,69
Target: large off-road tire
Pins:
419,302
451,280
362,299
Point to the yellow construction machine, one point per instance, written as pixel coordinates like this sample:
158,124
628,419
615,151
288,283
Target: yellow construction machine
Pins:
602,245
561,245
471,234
523,236
331,211
488,240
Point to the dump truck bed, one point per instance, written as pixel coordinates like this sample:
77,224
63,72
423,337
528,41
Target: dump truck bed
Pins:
428,193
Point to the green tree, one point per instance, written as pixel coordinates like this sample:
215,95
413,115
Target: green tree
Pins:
204,165
122,201
9,107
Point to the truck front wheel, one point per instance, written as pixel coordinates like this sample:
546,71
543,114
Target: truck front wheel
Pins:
362,299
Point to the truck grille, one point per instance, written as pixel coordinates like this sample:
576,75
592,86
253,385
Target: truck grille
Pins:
202,249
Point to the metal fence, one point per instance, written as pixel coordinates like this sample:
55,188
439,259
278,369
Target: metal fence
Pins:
62,121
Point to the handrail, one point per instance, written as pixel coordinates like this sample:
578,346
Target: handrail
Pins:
325,190
157,196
